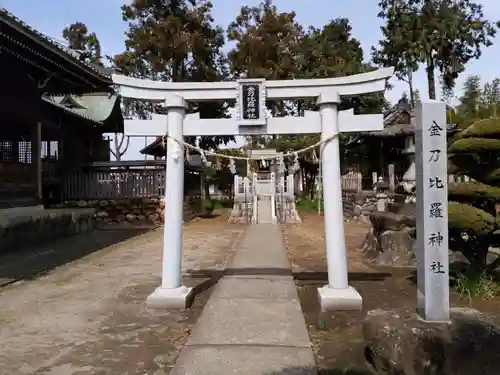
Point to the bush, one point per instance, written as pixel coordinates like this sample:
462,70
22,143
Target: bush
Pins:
309,205
465,218
473,222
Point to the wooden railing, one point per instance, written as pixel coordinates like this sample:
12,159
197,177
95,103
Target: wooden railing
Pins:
453,178
115,184
352,181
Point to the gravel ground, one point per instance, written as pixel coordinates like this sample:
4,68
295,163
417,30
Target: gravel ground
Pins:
89,317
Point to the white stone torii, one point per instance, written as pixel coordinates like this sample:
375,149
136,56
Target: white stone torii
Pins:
251,120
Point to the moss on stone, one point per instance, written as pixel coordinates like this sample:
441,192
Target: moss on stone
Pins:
487,128
463,217
477,145
473,191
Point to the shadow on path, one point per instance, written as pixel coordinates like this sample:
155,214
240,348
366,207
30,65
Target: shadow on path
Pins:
300,276
313,371
33,262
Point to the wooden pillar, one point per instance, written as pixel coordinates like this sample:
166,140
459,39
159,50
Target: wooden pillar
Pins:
392,178
36,158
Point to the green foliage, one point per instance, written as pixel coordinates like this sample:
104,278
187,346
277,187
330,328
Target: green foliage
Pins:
486,128
473,192
470,286
175,41
267,42
473,222
439,34
210,205
273,45
475,145
465,218
86,43
309,205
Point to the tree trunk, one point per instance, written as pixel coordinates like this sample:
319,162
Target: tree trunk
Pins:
431,83
410,85
117,153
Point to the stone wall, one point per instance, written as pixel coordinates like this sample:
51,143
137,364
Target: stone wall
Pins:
148,210
242,212
359,205
43,226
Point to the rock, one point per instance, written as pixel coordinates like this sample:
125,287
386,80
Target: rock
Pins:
120,210
120,218
401,208
102,214
356,211
153,217
391,248
82,204
359,198
383,221
131,217
401,343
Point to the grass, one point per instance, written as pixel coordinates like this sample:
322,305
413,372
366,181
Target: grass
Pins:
481,286
309,205
214,204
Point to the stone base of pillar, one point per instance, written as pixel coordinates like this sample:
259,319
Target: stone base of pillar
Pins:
347,299
163,298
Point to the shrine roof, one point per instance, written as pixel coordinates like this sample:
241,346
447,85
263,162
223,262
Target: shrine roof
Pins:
15,34
406,130
393,127
96,107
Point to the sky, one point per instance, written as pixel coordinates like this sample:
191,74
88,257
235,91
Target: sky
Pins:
104,18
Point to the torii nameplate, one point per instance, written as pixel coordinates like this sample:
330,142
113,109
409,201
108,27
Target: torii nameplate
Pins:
251,102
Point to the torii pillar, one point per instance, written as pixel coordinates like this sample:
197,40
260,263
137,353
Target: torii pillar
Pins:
171,294
337,295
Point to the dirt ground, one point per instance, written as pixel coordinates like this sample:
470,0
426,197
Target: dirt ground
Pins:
336,337
89,317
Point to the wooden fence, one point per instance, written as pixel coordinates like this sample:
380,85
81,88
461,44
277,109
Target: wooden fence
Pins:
452,178
115,184
353,181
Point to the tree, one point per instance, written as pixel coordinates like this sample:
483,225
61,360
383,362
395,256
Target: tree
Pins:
477,102
447,94
119,149
174,41
267,43
439,34
491,97
86,43
473,220
271,44
471,97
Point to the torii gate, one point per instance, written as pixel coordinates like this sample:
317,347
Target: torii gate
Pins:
250,96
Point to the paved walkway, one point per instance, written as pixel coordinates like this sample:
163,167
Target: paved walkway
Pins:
253,323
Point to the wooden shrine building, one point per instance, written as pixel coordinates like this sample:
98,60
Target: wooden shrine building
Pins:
54,109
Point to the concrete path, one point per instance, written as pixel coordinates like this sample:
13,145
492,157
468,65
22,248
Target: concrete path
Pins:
264,210
253,323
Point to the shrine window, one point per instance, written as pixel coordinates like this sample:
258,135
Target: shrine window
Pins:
50,150
7,152
25,152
